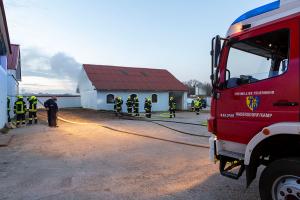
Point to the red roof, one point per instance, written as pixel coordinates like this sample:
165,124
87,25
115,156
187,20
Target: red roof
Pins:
13,58
105,77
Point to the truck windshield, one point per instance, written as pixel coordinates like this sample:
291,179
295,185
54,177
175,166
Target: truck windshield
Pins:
258,58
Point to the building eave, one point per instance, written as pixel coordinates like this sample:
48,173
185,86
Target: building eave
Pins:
4,28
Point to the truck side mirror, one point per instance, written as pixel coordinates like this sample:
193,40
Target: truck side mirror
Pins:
217,50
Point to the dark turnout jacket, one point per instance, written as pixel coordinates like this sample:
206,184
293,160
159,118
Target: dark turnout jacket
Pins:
52,107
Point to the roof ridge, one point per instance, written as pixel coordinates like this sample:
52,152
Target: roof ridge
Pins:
117,66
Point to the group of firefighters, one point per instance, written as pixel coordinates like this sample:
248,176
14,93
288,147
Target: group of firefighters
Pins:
133,104
20,110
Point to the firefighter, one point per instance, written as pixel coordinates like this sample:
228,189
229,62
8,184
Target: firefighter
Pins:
8,110
193,105
172,107
32,109
129,104
52,109
147,107
197,105
20,110
118,105
115,104
136,105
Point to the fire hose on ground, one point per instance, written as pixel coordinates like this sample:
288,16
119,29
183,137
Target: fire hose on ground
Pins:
131,133
141,135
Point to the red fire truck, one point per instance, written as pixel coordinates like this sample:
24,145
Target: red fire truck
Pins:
255,113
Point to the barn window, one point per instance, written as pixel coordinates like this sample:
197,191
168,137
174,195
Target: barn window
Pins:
154,98
133,96
110,98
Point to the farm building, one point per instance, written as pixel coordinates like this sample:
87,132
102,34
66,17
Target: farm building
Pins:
4,50
100,84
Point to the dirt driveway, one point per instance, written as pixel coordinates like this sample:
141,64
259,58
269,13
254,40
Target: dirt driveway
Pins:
87,161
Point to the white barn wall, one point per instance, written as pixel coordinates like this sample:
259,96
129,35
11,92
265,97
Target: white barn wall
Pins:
87,92
3,90
161,105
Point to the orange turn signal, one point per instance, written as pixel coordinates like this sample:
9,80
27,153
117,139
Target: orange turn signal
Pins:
266,131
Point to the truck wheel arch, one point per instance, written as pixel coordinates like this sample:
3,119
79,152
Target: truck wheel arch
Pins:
288,128
277,139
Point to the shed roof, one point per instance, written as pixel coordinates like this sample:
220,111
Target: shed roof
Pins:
13,57
105,77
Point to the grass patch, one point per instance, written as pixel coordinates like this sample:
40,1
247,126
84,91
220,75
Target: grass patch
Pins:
204,123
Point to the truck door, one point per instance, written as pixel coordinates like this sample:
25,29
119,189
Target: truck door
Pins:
260,82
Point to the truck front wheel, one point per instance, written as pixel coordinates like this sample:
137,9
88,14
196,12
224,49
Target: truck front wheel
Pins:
281,180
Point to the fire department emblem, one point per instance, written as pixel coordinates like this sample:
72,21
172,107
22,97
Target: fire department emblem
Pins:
252,102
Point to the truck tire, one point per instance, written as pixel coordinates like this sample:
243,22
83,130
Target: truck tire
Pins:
281,180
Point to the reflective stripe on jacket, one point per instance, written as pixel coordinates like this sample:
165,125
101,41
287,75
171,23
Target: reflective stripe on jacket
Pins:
33,106
20,107
197,104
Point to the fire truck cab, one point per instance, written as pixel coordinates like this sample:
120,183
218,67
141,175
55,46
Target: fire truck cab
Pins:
255,110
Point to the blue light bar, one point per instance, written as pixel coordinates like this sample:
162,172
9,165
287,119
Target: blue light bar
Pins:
258,11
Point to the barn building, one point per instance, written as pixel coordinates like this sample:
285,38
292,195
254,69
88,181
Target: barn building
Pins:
4,51
100,84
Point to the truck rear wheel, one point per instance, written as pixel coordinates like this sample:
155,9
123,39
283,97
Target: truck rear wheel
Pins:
281,180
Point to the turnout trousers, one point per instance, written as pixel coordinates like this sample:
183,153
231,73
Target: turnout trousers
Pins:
172,112
21,119
8,116
32,116
52,118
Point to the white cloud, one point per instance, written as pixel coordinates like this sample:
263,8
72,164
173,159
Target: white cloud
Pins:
46,73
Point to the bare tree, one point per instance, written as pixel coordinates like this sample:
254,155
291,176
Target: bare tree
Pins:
207,88
191,84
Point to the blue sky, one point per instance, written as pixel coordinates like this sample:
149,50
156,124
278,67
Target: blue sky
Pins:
56,36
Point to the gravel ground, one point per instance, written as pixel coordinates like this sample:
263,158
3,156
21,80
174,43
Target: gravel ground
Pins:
90,162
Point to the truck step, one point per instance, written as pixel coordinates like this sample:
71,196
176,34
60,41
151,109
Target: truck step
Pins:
230,154
228,166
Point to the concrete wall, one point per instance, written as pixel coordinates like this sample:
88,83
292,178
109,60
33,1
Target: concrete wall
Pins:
62,101
161,105
184,101
3,91
87,92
